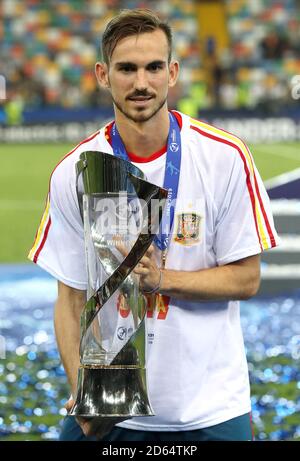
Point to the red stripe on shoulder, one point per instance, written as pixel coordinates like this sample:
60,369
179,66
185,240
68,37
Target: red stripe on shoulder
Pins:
266,220
270,232
267,223
248,181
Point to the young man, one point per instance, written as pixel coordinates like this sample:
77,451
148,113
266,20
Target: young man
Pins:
197,371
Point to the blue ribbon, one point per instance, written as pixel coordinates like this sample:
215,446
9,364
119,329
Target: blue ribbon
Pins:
171,178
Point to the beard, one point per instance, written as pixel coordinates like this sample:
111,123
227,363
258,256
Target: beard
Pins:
140,117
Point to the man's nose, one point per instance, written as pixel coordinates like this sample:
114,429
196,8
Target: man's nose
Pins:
141,80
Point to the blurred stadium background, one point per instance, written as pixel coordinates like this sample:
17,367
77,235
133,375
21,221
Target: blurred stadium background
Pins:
240,64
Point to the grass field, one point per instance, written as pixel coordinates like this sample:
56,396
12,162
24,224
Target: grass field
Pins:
24,177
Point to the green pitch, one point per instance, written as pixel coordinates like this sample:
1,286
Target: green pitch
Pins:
24,177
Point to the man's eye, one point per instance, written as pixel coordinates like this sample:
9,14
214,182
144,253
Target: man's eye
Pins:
127,69
154,67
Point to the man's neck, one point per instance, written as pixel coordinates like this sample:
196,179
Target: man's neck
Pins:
143,139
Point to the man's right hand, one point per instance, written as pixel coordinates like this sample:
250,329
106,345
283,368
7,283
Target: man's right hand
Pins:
97,426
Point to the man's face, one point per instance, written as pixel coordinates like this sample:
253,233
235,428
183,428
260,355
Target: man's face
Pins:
139,75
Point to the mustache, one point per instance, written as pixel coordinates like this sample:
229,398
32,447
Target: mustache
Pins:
142,93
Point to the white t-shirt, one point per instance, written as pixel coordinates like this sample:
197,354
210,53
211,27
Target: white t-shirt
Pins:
196,365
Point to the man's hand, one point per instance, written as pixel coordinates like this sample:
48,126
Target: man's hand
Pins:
147,269
95,426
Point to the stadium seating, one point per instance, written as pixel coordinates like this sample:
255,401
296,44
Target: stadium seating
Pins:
48,51
265,53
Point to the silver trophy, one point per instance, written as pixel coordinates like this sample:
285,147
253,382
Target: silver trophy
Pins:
121,213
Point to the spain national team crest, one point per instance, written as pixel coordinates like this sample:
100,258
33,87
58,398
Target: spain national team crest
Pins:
188,228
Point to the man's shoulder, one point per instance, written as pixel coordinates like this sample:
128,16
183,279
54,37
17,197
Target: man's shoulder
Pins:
207,132
213,150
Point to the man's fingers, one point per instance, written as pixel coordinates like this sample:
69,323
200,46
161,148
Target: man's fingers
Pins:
87,428
97,426
69,405
145,261
150,250
119,244
86,425
141,270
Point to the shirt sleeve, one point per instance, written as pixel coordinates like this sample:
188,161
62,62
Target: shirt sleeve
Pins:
244,224
59,245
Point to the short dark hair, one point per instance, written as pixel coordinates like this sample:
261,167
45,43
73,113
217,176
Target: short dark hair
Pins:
132,22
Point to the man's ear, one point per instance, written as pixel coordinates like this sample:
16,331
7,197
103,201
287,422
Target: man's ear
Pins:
101,71
173,73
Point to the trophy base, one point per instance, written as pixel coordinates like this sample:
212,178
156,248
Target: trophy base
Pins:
111,391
